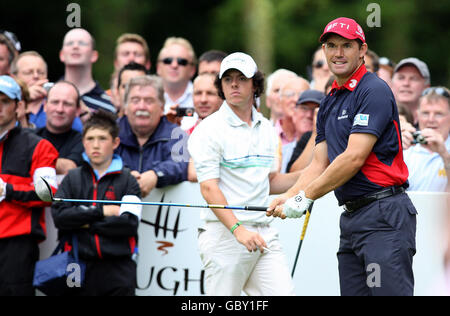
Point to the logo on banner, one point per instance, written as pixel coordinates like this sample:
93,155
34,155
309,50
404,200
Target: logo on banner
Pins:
172,277
162,223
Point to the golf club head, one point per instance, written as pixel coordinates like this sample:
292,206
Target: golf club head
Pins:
43,190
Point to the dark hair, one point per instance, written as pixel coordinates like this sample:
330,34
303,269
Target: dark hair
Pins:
212,55
11,49
102,120
405,111
131,66
258,84
375,59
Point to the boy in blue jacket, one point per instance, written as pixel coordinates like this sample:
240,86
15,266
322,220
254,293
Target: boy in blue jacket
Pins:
107,234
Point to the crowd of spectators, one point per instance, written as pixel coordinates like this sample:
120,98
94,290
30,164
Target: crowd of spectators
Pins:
157,113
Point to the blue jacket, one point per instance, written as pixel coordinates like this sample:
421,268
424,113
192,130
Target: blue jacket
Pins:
165,152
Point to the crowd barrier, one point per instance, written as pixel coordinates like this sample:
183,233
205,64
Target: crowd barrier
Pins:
169,263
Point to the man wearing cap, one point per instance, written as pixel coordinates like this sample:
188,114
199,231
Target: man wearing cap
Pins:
303,117
235,156
358,154
25,157
411,77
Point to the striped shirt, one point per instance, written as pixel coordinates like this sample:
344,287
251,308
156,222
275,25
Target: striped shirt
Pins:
97,99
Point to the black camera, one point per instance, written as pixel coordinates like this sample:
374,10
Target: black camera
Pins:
185,112
418,138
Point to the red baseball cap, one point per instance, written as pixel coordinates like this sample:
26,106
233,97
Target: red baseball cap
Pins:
344,27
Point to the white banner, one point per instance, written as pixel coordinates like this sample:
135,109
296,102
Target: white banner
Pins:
169,263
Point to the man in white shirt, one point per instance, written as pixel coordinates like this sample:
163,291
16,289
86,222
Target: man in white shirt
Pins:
429,162
235,155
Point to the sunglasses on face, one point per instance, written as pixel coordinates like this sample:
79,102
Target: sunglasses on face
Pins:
438,90
180,61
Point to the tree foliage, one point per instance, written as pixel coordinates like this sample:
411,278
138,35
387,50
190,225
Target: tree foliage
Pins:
279,33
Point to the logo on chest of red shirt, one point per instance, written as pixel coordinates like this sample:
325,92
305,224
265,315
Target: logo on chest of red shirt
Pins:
110,195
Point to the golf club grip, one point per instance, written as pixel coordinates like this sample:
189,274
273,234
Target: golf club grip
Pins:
305,225
256,208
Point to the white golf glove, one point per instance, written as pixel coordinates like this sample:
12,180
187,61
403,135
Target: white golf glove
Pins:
296,206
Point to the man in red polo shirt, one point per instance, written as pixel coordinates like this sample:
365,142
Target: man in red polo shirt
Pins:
358,154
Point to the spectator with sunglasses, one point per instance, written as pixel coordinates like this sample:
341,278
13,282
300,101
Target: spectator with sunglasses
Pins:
320,72
177,66
428,160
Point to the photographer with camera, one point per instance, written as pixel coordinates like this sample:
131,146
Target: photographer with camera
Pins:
428,154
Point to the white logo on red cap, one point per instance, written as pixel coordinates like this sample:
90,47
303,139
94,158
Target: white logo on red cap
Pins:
360,32
343,26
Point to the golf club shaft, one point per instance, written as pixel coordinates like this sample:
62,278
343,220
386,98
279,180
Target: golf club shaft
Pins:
302,236
244,208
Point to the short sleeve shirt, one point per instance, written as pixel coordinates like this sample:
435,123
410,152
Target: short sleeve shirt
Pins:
364,104
241,156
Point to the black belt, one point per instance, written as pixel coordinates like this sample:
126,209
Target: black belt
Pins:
356,204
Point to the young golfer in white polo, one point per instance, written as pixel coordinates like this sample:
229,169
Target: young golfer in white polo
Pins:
235,155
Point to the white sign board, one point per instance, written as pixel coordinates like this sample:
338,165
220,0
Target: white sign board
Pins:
169,263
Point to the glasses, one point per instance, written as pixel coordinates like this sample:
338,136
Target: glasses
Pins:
437,90
180,61
318,64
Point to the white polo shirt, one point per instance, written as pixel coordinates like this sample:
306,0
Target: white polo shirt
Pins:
426,169
241,156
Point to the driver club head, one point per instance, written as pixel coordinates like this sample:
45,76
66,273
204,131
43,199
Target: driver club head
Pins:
43,190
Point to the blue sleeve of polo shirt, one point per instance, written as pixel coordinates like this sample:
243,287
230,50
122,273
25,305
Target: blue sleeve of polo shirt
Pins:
320,125
374,109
